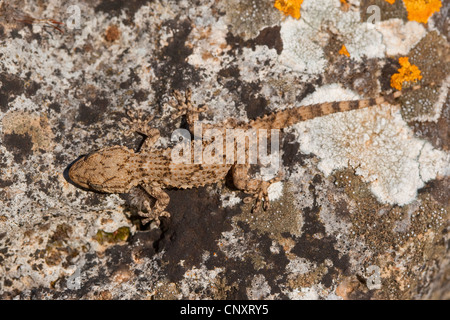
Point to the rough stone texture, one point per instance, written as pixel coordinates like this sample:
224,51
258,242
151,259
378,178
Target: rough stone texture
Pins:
330,229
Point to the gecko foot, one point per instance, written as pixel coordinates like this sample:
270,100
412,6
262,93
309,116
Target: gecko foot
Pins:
152,215
158,210
258,188
261,196
136,122
185,108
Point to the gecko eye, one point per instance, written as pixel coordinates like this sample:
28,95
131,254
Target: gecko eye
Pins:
95,186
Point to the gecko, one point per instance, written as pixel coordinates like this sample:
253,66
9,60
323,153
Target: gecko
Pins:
118,169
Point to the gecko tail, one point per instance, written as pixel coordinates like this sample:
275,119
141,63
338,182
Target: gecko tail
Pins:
290,116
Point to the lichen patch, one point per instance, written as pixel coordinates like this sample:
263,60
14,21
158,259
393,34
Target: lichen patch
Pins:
304,39
34,125
380,146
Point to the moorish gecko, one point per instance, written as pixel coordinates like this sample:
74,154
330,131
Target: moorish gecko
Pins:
118,169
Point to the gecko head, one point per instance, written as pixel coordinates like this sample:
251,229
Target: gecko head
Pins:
105,170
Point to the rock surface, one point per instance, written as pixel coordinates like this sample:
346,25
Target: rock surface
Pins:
362,211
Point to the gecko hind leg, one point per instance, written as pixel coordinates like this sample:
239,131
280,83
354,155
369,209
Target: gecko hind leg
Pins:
185,108
158,210
137,123
258,188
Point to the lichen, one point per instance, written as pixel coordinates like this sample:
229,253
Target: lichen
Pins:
120,235
421,10
289,7
33,124
393,234
280,218
248,18
376,141
63,95
304,39
400,37
432,54
407,73
344,51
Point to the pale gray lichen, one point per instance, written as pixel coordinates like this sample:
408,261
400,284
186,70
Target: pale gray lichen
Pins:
196,279
377,142
400,37
260,289
304,39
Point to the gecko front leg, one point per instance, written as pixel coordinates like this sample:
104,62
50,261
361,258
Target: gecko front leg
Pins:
137,123
258,188
158,210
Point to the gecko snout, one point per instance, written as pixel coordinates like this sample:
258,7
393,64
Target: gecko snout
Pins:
77,173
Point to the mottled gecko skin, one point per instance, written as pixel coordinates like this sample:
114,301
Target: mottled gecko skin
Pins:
117,169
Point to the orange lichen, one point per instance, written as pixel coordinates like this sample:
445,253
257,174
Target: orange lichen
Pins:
421,10
344,5
407,72
289,7
344,51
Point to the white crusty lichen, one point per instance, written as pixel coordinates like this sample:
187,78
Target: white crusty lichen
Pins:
376,142
199,279
275,191
260,289
208,42
304,39
435,113
400,37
